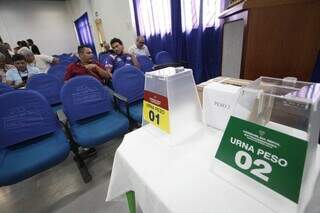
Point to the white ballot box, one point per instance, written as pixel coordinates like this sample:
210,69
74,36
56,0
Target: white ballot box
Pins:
171,106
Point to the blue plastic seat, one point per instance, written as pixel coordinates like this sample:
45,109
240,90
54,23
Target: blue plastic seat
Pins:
163,57
128,81
89,109
146,63
58,71
32,139
4,88
48,86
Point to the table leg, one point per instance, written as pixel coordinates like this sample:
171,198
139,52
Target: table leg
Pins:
131,201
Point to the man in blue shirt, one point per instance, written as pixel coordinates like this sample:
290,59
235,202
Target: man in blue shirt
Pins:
120,58
18,76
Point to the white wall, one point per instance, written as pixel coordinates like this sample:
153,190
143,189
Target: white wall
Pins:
116,19
115,15
77,8
48,23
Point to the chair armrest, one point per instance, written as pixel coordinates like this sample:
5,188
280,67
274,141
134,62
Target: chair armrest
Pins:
117,97
62,117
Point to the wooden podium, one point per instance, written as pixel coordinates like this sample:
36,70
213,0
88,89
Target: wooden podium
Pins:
276,38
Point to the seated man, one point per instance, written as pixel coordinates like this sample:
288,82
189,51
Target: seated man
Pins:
34,48
120,58
104,55
42,62
18,76
86,66
139,48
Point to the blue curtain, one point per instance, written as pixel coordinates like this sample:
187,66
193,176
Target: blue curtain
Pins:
84,32
201,48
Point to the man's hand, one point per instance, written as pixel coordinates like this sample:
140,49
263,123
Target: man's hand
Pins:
91,67
95,70
22,84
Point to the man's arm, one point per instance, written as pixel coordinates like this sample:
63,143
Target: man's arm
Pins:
97,70
147,51
68,74
135,61
55,60
131,50
12,84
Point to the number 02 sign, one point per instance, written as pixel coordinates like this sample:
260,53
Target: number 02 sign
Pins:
156,110
272,158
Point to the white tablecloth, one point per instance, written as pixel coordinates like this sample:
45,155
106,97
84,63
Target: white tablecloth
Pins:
176,179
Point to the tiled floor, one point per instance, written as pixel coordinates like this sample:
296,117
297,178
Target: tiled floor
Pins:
61,189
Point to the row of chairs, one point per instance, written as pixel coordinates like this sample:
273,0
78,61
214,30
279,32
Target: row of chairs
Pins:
95,114
146,63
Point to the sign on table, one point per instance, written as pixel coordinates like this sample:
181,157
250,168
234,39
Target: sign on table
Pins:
271,158
156,110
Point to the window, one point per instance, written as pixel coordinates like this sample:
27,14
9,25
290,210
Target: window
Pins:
154,17
211,10
191,14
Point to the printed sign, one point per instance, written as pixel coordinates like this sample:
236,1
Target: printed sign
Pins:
156,110
271,158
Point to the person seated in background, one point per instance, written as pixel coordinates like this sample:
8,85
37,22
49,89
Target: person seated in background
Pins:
24,44
120,57
104,55
107,49
139,48
5,52
86,66
4,67
33,47
42,62
7,45
18,76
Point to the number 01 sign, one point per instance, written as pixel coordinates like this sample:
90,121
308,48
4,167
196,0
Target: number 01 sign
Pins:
156,110
271,158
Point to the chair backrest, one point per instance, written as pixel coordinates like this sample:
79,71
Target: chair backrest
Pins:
59,67
128,81
4,88
58,71
103,57
25,114
163,57
83,97
47,85
316,71
146,63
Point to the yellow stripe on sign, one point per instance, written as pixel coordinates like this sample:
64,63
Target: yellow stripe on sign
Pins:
156,115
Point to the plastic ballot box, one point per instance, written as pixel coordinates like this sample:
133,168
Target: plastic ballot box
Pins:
269,145
171,106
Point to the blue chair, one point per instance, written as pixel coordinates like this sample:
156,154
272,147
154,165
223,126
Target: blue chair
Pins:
32,139
89,109
146,64
163,57
48,86
4,88
128,81
58,71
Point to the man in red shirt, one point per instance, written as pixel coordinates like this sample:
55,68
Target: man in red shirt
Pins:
86,66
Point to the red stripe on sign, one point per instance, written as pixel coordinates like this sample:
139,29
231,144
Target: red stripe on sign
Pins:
156,99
